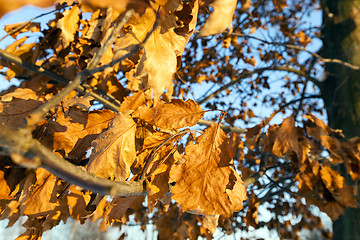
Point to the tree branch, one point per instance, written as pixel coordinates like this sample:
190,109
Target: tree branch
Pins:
224,127
249,74
33,153
291,46
58,78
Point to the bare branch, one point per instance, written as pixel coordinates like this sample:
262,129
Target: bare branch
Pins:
250,73
19,142
291,46
224,127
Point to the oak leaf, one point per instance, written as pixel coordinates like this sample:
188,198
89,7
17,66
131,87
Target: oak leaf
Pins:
114,150
159,59
72,133
174,115
15,106
206,182
68,24
220,19
39,198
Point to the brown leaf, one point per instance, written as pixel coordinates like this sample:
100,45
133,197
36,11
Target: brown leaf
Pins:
68,24
72,134
9,180
251,217
207,182
15,106
38,198
174,115
287,139
220,19
77,202
134,102
119,206
114,149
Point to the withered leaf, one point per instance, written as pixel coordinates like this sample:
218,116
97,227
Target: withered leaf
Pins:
38,198
15,106
68,24
119,206
114,150
174,115
220,19
161,49
206,182
72,133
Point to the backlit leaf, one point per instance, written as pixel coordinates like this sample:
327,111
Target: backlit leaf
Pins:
114,149
220,19
206,182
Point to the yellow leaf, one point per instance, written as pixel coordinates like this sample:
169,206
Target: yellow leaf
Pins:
32,26
220,19
158,61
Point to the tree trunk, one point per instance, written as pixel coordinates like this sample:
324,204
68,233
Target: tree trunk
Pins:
341,88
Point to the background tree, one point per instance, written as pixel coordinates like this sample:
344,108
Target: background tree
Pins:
120,126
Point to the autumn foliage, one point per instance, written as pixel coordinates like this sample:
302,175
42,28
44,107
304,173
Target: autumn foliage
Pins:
99,128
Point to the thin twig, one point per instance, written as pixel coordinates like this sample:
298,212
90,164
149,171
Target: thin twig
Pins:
291,46
224,127
153,153
58,78
15,30
249,74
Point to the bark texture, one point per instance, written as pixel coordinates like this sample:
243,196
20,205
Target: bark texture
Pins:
341,88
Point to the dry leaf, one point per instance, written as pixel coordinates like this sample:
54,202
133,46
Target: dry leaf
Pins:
38,198
68,24
15,106
32,26
71,134
174,115
206,182
158,60
114,149
220,19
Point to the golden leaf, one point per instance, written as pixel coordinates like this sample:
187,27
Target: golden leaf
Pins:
72,134
114,150
220,19
68,24
207,183
39,198
158,60
32,26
